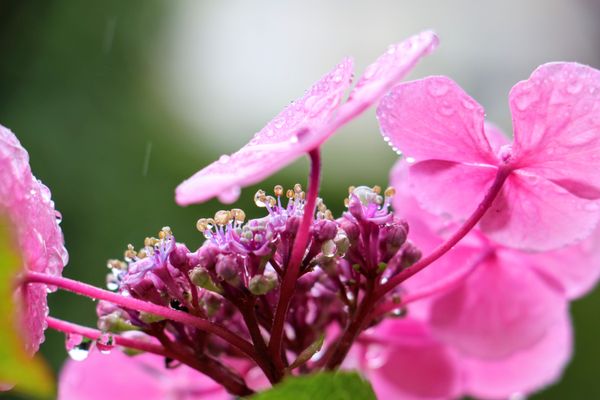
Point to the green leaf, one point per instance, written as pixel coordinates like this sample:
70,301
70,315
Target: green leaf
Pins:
327,385
29,375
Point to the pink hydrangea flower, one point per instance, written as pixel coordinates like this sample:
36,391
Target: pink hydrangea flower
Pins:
306,123
120,377
404,360
27,204
550,198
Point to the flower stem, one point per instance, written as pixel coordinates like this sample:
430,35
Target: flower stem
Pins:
292,270
94,334
361,319
443,248
139,305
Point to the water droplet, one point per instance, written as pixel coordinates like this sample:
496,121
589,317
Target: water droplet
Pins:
58,217
446,110
230,194
410,160
468,105
437,89
376,356
278,122
77,346
574,87
224,159
105,343
293,139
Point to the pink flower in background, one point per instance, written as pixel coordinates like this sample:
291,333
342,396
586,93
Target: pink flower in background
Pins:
120,377
27,204
305,124
550,197
404,360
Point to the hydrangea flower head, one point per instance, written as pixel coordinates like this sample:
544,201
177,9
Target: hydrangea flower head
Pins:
26,202
551,196
305,123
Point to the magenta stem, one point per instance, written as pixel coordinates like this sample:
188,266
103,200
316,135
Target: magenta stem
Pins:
442,249
292,270
94,334
139,305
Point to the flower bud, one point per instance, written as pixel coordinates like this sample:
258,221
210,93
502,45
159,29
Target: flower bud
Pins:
292,225
178,257
324,230
201,278
351,229
262,284
410,255
228,267
342,243
207,255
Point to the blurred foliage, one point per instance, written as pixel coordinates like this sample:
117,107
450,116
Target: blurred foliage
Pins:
76,88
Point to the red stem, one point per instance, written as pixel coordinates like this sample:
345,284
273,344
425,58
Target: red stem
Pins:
292,270
139,305
94,334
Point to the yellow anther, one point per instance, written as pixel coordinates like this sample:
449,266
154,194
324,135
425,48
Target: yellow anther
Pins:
289,194
130,252
222,217
150,241
238,215
204,224
377,189
278,190
142,254
346,202
164,232
297,188
271,201
390,191
351,189
328,215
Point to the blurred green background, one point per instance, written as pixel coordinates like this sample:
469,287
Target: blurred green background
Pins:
118,101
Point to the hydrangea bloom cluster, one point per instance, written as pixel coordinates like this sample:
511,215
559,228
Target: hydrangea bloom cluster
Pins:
454,281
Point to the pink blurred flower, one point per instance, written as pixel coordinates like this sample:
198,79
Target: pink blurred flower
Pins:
404,360
120,377
26,202
306,123
550,197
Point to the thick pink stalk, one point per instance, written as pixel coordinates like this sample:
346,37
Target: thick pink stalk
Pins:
139,305
292,271
94,334
501,175
342,346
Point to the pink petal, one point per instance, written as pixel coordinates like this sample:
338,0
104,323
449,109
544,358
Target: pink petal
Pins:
407,363
447,187
556,118
27,203
524,372
533,213
387,71
120,377
434,119
576,268
275,146
501,308
305,124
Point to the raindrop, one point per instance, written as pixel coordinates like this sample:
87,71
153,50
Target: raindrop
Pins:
437,89
105,343
224,159
77,346
279,122
230,195
376,356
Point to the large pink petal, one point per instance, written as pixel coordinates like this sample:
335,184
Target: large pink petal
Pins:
533,213
407,363
120,377
386,72
434,119
502,307
305,124
524,372
27,203
576,268
273,147
556,118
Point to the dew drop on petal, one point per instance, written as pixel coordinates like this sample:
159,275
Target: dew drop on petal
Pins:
376,356
224,159
230,195
78,347
105,343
